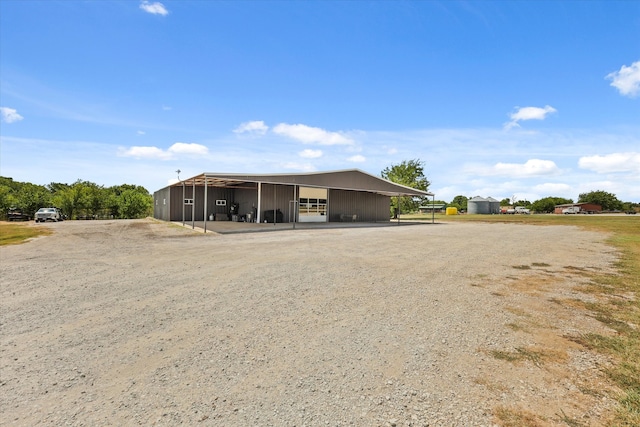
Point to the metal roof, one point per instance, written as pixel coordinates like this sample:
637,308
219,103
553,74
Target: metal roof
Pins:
350,179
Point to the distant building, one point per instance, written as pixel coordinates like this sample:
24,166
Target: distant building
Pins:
480,205
437,207
584,207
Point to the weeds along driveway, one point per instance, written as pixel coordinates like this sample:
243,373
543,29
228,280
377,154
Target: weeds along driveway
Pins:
141,322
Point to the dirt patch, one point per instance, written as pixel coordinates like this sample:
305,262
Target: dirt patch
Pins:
139,322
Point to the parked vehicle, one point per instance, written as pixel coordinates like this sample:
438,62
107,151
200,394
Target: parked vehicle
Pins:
15,214
48,214
516,210
571,210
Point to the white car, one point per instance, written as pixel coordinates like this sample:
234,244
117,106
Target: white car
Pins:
48,214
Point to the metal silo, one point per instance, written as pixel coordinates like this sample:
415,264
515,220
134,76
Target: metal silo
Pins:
478,205
494,205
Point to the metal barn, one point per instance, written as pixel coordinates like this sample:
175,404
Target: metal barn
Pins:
339,196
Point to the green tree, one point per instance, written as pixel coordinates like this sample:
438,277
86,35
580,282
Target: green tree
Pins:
505,202
95,198
71,199
608,201
548,204
409,173
459,202
7,194
31,197
133,203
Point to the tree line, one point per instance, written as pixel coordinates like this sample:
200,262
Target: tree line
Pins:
410,173
80,200
608,202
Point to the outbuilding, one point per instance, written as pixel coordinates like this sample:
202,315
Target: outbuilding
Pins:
480,205
337,196
581,208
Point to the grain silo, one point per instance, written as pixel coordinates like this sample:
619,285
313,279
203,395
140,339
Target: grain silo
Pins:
494,205
478,205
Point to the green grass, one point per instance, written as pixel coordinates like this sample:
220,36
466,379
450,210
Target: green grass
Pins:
12,233
618,297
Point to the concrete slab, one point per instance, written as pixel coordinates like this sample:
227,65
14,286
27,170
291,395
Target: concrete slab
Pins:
229,227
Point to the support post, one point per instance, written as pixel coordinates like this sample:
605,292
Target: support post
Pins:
193,205
205,204
433,210
183,203
259,202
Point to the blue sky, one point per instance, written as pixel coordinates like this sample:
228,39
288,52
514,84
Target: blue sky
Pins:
503,99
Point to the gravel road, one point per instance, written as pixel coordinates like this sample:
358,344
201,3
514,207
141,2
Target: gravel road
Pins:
139,322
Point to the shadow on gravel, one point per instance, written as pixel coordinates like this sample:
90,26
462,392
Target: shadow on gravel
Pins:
225,227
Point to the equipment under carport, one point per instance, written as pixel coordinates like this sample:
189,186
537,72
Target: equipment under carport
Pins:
268,216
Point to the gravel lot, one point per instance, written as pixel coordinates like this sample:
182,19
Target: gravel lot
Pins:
142,322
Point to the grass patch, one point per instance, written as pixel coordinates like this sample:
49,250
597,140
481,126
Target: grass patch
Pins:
565,419
540,264
12,233
521,354
522,267
516,327
516,418
617,314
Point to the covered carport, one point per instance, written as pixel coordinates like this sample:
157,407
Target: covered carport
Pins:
338,196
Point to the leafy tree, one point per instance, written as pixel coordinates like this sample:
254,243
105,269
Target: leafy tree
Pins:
71,199
132,203
608,201
505,202
548,204
111,202
409,173
459,202
54,187
31,197
95,197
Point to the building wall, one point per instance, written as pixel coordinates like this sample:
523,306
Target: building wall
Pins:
589,207
283,194
161,204
368,207
342,204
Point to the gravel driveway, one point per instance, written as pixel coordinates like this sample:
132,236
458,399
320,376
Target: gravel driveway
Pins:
139,322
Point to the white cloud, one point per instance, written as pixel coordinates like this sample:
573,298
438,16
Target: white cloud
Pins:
145,153
310,154
614,162
256,127
311,135
166,108
9,115
528,113
176,150
532,167
627,79
357,159
190,149
155,8
141,132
